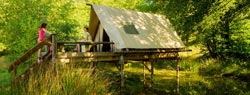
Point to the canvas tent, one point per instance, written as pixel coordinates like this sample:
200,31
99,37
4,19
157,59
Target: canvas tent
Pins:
132,30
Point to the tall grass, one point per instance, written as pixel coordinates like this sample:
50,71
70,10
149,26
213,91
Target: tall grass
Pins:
64,80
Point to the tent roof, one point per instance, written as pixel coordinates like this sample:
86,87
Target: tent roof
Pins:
131,29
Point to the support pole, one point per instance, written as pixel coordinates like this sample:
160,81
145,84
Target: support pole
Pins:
152,73
54,48
144,74
15,82
177,76
15,75
152,61
121,61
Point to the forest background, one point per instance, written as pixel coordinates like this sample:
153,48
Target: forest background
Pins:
219,29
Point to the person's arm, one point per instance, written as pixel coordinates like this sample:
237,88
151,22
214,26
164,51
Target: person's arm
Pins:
47,33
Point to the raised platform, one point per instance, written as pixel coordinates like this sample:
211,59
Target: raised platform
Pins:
67,57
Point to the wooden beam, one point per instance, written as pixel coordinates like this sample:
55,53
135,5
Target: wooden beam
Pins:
145,66
108,56
82,43
158,50
152,61
29,53
121,62
177,76
54,48
144,73
116,65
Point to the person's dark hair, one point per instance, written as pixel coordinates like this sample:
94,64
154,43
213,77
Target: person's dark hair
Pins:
85,27
43,25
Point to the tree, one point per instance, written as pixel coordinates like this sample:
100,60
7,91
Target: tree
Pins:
22,19
215,24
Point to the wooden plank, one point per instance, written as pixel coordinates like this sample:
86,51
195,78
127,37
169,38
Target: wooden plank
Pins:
152,51
85,43
84,54
29,53
54,48
94,59
121,62
108,56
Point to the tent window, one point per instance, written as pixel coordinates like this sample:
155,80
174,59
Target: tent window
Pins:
130,29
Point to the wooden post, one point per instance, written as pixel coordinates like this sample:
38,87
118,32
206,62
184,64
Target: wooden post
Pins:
79,47
177,76
152,73
121,61
152,61
87,48
54,48
144,76
14,75
15,82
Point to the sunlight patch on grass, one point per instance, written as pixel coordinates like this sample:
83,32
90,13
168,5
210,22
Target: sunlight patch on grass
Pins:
3,63
2,47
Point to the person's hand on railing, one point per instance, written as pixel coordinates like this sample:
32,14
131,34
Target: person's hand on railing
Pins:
47,33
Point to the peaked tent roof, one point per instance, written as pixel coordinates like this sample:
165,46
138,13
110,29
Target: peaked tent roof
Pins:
131,29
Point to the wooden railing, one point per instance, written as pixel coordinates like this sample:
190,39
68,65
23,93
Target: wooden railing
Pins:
89,45
48,41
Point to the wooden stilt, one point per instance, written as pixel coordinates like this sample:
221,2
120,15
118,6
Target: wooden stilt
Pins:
121,61
152,73
152,61
177,76
144,74
54,48
14,76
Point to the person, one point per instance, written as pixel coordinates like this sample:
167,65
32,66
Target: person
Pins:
85,38
41,37
87,35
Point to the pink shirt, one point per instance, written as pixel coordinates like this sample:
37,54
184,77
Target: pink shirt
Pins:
41,34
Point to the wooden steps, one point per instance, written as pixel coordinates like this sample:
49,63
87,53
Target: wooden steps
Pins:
35,67
28,54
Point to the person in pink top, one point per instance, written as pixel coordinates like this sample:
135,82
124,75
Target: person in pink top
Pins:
41,37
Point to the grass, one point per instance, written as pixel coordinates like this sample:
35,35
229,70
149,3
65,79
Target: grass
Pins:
5,76
61,80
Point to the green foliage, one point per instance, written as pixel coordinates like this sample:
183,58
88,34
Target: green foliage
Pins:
221,26
21,21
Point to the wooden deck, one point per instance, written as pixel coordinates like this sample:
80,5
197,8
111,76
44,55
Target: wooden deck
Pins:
96,55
